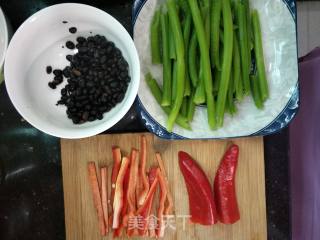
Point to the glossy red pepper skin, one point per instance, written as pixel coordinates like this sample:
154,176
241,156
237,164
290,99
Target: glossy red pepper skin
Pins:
201,202
224,187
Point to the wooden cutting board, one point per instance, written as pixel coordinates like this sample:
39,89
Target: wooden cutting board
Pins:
80,215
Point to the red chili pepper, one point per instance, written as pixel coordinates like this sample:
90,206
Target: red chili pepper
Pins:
201,202
224,187
163,197
144,211
118,201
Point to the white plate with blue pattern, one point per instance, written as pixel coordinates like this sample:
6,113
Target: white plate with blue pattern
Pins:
278,20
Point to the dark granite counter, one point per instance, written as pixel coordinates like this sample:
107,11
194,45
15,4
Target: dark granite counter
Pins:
31,193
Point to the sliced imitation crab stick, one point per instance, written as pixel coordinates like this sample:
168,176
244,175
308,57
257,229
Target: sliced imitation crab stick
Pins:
169,207
144,211
93,180
118,195
118,232
104,195
151,221
163,196
142,171
131,194
116,155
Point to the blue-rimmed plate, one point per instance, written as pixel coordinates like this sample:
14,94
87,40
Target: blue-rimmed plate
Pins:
278,20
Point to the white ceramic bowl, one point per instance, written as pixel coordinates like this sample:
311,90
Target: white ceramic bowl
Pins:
3,40
38,43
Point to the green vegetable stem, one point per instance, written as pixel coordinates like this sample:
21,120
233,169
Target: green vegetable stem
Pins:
181,68
155,38
227,61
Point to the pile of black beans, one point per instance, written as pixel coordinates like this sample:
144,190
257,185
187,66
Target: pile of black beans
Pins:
97,79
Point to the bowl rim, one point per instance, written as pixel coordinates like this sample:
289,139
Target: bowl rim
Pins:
91,130
6,37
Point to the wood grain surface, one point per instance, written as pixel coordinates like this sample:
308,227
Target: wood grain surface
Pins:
80,215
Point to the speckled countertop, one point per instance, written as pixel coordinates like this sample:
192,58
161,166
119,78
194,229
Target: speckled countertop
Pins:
31,193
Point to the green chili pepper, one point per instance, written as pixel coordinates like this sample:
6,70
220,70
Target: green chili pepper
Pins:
237,69
255,91
191,108
243,40
200,94
181,68
227,61
192,59
183,110
155,38
204,52
167,84
174,81
186,37
215,31
258,49
157,93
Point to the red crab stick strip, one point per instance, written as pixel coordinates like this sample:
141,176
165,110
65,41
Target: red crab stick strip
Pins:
116,155
169,208
119,194
104,195
201,203
152,175
118,232
144,211
224,187
163,196
142,170
93,179
152,223
133,180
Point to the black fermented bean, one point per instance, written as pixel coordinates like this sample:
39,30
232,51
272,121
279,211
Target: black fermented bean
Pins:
63,92
49,69
73,30
52,85
97,78
85,116
57,72
69,58
75,120
70,45
81,39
